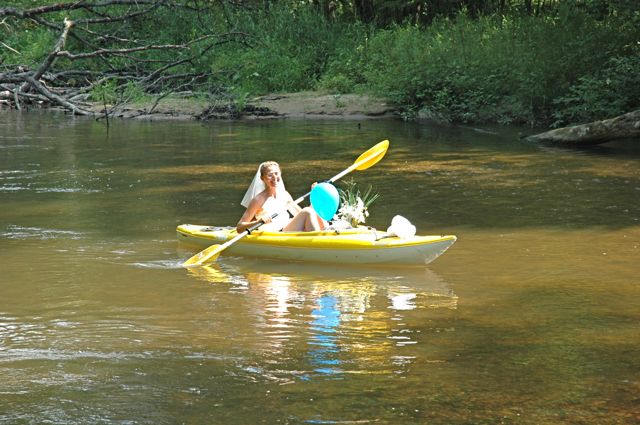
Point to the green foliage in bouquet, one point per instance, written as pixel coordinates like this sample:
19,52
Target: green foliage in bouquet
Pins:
354,205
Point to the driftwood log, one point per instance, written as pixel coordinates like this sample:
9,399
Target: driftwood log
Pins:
621,127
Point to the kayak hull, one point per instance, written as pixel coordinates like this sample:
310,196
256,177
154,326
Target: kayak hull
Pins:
354,246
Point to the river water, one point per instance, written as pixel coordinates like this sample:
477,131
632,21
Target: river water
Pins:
532,317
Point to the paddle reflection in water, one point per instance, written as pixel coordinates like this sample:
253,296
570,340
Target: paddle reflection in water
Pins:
322,323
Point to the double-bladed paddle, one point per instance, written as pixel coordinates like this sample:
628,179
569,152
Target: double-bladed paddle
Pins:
364,161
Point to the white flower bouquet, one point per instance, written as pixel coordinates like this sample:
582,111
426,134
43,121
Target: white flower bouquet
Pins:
354,206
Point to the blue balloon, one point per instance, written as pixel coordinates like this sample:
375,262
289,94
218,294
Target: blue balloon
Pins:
325,200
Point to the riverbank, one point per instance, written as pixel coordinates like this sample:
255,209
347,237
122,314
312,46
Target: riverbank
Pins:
302,105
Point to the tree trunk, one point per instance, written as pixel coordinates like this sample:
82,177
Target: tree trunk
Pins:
364,10
623,126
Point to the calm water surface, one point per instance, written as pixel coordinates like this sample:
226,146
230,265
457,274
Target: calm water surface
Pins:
532,317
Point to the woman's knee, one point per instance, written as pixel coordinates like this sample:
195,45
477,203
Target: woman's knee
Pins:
313,221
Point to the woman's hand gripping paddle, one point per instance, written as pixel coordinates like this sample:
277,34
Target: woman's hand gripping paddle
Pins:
364,161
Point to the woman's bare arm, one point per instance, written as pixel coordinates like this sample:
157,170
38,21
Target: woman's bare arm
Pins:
249,219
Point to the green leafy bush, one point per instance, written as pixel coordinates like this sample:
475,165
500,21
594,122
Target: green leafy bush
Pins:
491,69
105,91
607,93
28,45
344,70
290,50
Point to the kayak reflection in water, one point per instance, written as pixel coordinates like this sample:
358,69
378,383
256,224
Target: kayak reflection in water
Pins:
267,195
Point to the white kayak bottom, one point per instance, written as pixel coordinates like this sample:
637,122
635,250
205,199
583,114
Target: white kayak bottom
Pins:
354,246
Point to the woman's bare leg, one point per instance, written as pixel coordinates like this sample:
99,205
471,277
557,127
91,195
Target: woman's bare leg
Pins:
306,220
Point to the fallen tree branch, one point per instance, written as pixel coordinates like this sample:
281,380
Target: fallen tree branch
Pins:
59,7
10,48
51,57
57,99
116,52
101,54
49,60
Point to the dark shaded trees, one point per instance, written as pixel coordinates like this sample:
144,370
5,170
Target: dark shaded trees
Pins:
387,12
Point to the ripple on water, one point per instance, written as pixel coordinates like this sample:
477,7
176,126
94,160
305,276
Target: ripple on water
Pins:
12,188
159,264
22,232
66,190
14,181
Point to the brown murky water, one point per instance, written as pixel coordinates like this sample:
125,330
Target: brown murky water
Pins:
532,317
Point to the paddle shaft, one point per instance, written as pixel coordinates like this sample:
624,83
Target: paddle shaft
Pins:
212,252
339,175
242,235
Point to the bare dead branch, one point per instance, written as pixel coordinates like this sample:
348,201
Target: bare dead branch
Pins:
56,98
10,48
165,68
113,19
167,93
50,59
194,77
59,7
103,52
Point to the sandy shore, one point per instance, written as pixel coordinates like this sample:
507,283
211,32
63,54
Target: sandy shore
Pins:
306,105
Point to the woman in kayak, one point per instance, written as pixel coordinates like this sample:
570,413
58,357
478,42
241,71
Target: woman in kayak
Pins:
266,195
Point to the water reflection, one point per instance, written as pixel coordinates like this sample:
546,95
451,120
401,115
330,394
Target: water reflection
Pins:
323,343
344,319
215,274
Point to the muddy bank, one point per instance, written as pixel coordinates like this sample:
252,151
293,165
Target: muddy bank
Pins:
305,105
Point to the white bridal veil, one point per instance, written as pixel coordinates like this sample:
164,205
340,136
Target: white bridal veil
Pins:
256,186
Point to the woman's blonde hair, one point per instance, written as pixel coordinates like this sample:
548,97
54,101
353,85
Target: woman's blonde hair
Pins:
267,164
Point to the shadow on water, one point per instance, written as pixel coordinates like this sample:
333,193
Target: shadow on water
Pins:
620,148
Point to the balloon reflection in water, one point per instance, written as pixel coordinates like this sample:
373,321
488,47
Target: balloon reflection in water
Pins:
323,342
349,319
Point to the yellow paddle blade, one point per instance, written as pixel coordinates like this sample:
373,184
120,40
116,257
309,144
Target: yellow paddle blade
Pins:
372,156
204,256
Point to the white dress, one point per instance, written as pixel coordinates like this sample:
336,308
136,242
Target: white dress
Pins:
274,205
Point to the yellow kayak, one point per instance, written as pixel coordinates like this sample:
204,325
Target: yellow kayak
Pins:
362,245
